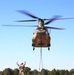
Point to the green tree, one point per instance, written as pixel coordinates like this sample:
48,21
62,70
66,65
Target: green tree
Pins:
16,71
50,73
54,72
66,72
44,72
27,70
8,71
35,72
58,72
1,73
62,72
71,72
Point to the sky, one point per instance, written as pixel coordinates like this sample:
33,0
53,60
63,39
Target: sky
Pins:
16,42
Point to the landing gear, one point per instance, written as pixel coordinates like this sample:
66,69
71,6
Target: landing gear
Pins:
33,44
48,48
33,48
48,33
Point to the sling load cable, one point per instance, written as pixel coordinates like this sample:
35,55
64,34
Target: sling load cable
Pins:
41,60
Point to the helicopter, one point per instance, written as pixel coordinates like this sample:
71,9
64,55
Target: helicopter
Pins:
41,36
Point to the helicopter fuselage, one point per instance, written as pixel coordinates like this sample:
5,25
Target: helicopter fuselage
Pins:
41,38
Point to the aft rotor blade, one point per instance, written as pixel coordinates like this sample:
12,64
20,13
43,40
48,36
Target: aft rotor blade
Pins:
55,28
26,20
52,19
19,26
27,13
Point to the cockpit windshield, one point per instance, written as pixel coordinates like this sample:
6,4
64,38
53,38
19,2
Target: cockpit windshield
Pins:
41,30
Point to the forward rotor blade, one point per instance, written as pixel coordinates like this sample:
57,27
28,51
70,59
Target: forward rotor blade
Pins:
25,20
44,19
19,26
27,13
52,19
59,19
64,18
55,28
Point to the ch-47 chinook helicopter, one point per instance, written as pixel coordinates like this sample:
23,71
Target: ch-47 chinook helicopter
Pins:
41,37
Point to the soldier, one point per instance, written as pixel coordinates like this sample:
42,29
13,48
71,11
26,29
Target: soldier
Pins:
21,68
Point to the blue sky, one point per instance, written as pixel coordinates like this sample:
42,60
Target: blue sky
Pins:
15,42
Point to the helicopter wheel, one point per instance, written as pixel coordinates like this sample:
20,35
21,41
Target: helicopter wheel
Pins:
33,44
33,48
48,33
48,48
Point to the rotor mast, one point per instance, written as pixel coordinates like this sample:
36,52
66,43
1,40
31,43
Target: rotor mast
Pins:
40,23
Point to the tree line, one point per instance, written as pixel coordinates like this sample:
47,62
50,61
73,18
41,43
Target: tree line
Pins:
28,71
